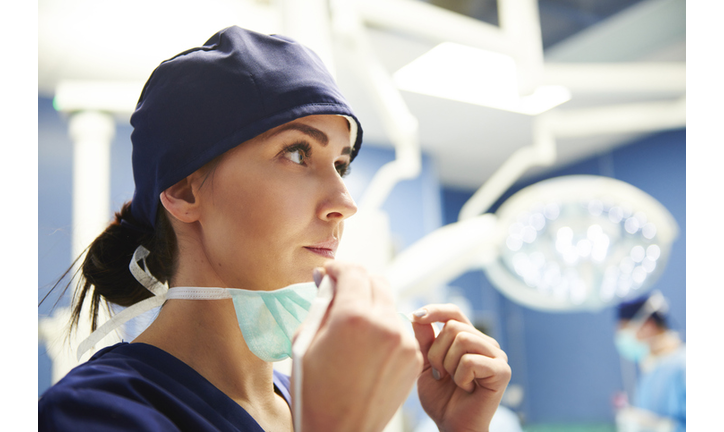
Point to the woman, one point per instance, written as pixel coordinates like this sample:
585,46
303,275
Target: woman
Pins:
239,148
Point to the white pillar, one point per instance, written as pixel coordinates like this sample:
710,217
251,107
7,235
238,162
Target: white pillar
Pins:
52,332
92,133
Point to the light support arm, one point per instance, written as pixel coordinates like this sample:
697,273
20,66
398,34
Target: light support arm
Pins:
308,22
399,124
520,22
541,152
590,78
645,117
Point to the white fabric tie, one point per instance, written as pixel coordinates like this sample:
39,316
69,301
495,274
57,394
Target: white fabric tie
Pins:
145,278
197,293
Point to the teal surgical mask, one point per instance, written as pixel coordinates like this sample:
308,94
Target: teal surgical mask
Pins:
629,347
267,319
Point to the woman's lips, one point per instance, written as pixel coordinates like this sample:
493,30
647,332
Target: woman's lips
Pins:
327,253
326,248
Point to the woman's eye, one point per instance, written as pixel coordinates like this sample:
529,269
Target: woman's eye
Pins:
343,169
298,153
296,156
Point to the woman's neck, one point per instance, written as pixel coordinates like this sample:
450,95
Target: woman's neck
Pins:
205,335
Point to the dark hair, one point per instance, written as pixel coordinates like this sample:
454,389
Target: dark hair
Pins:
628,310
104,271
660,320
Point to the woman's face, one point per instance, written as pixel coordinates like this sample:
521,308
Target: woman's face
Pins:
273,208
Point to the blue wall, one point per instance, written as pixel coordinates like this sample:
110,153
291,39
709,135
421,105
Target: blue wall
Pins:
566,362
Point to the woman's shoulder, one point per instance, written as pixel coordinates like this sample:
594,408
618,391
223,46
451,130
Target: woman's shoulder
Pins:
136,387
118,368
114,389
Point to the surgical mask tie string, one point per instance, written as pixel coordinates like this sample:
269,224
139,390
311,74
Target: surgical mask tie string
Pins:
145,278
143,275
267,319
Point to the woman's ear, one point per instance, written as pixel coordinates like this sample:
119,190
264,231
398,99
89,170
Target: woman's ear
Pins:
181,201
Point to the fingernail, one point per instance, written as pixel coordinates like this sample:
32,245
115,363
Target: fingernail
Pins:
420,313
435,374
317,274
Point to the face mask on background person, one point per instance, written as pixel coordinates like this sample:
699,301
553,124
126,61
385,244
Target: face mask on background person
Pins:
629,346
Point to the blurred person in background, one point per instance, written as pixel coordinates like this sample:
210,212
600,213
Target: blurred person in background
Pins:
645,338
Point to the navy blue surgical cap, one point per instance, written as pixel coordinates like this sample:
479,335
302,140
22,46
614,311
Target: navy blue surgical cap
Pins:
628,310
207,100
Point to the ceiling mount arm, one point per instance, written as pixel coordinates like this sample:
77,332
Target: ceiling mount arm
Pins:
399,124
541,153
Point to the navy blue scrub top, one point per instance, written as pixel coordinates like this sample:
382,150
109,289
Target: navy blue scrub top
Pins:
138,387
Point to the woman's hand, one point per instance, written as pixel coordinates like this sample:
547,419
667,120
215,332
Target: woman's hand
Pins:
362,363
464,374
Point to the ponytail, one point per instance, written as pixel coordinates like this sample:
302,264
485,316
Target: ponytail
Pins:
104,272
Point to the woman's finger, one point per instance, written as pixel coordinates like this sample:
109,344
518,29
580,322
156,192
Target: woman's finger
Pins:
352,283
454,340
425,335
440,313
444,313
469,343
490,373
318,275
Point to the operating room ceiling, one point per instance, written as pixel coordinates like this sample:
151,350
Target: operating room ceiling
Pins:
124,41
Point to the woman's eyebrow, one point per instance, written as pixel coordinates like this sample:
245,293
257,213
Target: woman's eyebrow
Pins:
313,132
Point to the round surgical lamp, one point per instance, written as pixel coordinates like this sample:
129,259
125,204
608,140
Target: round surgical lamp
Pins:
578,243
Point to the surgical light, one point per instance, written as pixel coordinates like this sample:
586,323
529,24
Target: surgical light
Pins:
580,243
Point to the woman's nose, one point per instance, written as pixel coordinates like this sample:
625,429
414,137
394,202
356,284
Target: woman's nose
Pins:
337,203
